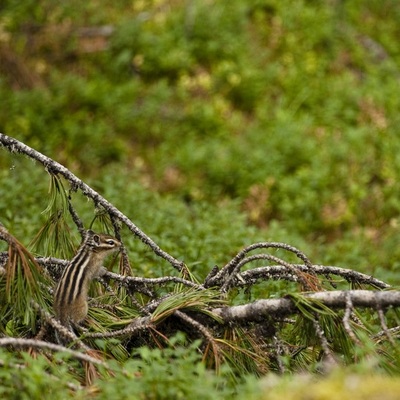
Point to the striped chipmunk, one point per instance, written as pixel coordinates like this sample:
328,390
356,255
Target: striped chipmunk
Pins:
70,297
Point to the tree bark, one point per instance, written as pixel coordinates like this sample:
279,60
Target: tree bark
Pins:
284,306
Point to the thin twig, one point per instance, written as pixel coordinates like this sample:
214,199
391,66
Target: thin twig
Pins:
117,333
385,329
134,328
346,320
133,280
279,351
75,217
330,358
204,332
195,324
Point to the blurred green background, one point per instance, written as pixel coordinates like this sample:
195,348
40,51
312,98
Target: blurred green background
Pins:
212,124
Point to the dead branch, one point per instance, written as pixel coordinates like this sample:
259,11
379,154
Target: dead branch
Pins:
232,266
137,326
337,299
41,345
53,167
127,281
250,277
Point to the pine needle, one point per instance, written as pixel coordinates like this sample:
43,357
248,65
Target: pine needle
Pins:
187,299
55,236
24,279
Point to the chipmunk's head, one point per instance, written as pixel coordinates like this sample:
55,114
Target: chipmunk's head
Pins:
101,242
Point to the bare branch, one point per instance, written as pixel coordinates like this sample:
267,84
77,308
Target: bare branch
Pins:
40,344
329,356
392,331
385,329
197,325
294,272
282,272
335,299
136,326
346,320
126,280
229,268
133,280
53,167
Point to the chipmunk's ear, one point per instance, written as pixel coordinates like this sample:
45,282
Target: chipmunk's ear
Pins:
96,238
90,235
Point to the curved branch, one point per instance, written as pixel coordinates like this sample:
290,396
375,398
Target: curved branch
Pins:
230,267
53,167
295,269
281,272
40,344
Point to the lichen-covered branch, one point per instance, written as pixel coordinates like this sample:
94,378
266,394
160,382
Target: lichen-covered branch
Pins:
39,344
337,299
53,167
129,281
252,276
231,267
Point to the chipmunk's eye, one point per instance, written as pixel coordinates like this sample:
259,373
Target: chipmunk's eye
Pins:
110,242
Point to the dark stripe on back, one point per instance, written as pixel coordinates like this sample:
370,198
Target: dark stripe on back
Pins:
68,277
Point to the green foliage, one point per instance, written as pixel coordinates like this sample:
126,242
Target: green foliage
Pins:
249,102
174,372
212,125
23,377
199,233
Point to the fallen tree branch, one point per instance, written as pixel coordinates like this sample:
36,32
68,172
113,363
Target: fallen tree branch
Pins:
40,344
137,326
232,266
337,299
129,281
53,167
251,276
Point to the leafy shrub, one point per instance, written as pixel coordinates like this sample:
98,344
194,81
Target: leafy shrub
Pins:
175,372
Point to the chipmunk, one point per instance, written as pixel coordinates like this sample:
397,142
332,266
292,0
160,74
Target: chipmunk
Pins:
70,298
